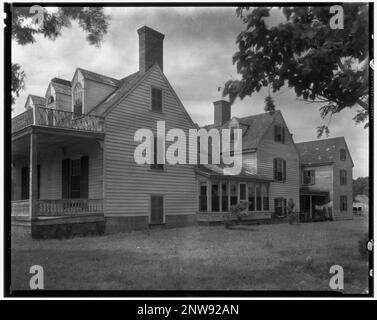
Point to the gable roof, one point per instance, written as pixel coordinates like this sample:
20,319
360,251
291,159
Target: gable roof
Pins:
61,86
321,151
99,77
124,85
38,100
253,128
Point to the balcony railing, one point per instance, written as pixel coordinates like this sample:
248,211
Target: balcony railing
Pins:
47,117
58,207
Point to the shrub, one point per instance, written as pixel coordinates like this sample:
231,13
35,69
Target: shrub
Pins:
236,213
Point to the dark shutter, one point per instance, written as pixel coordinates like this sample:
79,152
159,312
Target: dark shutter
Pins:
156,99
25,183
65,178
284,170
275,169
84,177
285,206
276,133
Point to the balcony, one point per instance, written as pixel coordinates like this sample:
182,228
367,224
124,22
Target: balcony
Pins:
47,117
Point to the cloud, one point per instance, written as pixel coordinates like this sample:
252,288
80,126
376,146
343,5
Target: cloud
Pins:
198,49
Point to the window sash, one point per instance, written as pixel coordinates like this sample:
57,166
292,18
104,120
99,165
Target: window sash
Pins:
155,165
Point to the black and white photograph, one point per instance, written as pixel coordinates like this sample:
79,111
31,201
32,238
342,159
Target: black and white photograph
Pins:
188,149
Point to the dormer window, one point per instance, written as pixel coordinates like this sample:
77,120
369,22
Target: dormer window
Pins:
50,99
77,99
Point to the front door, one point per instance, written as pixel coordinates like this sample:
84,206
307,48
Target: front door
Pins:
157,209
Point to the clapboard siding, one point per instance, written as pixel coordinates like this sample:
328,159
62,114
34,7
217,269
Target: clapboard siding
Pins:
249,162
128,186
323,178
63,102
267,150
50,162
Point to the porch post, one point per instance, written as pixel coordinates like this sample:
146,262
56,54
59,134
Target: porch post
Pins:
33,172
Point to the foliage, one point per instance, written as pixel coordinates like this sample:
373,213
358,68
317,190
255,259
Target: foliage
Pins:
18,81
237,211
322,65
92,21
360,186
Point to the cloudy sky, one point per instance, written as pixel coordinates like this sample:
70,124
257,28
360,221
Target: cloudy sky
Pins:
198,48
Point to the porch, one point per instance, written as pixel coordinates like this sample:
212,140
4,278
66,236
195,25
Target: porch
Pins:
315,205
217,193
57,172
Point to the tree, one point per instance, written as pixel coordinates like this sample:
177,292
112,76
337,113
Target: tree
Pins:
360,186
322,65
92,20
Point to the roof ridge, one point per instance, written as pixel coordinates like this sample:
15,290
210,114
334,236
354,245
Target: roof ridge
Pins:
99,74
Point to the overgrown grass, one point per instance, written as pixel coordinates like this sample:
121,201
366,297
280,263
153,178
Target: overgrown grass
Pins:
265,257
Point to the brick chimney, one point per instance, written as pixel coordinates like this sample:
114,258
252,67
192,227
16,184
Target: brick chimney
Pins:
222,112
150,48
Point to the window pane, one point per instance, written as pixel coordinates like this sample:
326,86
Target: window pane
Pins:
251,197
203,197
265,197
224,201
156,165
259,197
242,191
215,197
233,193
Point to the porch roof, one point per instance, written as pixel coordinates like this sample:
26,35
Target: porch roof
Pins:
216,172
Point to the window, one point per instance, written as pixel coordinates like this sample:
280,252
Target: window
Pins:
280,207
224,197
203,197
279,134
156,100
50,99
343,177
308,177
215,197
343,203
155,165
233,193
242,192
265,197
77,99
279,169
343,154
251,198
75,178
258,193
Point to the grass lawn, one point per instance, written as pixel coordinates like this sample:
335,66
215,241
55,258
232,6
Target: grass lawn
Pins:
263,257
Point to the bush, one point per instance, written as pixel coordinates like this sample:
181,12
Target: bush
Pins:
236,213
363,250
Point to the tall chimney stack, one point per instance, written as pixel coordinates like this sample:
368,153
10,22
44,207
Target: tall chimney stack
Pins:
222,112
150,48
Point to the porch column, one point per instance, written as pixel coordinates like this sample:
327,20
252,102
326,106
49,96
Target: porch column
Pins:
33,172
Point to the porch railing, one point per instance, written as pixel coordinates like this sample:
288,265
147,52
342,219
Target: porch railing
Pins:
61,207
48,117
68,207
